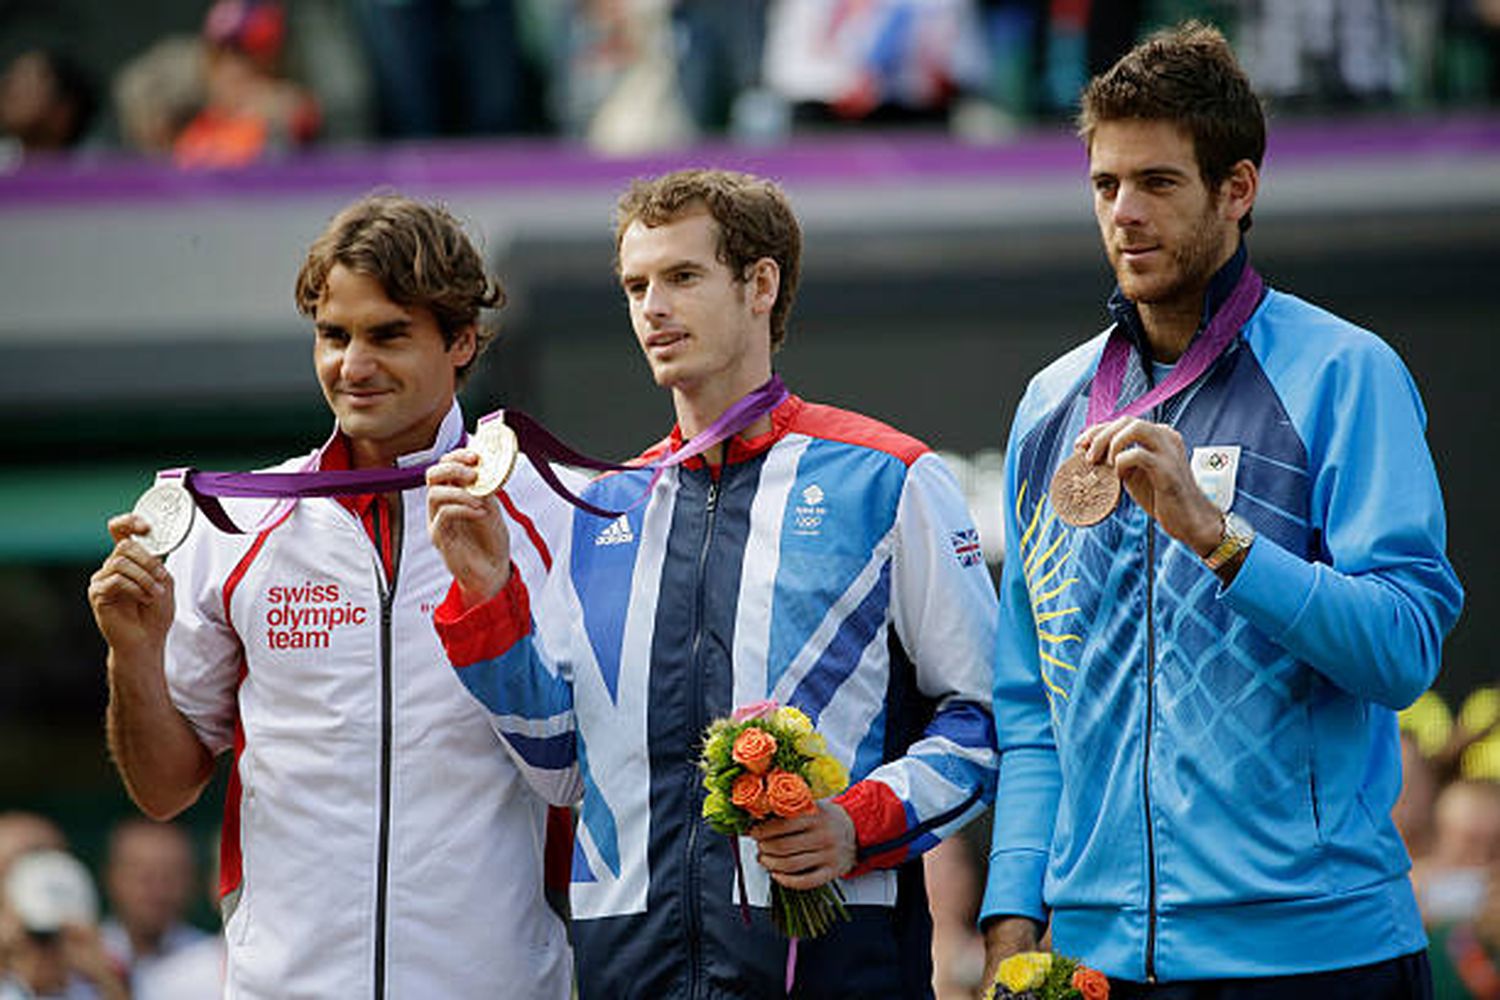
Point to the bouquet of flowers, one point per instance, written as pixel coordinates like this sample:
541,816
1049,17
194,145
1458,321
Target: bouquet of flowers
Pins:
766,760
1041,975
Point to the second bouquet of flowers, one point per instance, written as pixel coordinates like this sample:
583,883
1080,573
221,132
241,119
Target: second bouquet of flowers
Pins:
767,760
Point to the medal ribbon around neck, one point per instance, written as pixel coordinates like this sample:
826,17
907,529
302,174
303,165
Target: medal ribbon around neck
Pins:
1084,493
1200,355
535,441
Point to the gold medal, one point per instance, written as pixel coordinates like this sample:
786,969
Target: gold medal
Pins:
497,448
1083,493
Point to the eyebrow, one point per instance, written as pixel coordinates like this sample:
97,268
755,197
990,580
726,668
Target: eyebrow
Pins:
684,264
389,326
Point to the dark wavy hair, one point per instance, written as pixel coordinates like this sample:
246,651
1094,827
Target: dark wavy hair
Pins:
754,220
420,255
1187,75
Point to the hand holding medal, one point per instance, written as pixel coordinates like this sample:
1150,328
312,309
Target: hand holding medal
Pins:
1084,492
497,447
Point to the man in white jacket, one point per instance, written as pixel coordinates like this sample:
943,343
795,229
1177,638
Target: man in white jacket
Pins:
375,841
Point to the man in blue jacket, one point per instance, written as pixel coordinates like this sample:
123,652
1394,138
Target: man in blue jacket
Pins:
1224,575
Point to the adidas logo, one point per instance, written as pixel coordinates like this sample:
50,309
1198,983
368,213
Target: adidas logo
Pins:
617,532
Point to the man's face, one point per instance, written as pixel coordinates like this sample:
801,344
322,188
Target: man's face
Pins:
696,322
150,880
383,367
1164,231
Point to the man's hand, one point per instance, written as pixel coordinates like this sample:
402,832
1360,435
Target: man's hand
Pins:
1007,936
1152,464
467,530
131,593
806,851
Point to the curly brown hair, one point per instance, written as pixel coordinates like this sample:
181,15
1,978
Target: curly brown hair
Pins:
1187,75
753,216
420,255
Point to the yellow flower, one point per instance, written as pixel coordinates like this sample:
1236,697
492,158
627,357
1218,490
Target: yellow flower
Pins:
826,776
1024,971
811,745
793,719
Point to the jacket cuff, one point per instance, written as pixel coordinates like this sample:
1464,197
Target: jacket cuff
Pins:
1013,886
1271,589
879,818
487,630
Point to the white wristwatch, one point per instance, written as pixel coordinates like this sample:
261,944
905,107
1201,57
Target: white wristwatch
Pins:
1236,539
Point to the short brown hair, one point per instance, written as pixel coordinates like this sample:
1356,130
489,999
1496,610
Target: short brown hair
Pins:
754,219
420,255
1188,76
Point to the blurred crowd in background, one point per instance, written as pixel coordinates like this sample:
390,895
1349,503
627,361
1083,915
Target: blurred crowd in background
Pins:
152,936
258,78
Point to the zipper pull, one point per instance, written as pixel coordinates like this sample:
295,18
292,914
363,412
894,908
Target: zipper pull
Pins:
713,496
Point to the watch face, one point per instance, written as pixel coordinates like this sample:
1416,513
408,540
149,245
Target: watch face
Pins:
1238,528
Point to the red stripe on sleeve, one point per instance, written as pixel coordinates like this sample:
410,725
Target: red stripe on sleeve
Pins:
486,630
878,816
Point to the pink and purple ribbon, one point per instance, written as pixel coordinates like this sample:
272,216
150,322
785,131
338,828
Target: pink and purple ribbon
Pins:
534,440
1199,357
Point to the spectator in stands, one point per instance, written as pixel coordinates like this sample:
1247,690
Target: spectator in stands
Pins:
1451,881
47,102
446,66
22,832
617,77
157,93
251,109
150,878
52,940
1466,953
901,59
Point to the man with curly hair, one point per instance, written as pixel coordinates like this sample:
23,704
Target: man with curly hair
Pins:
1225,574
378,841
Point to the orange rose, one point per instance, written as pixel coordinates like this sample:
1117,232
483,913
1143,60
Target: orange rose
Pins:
754,748
788,794
749,793
1092,983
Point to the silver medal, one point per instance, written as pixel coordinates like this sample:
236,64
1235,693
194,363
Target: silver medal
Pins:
168,508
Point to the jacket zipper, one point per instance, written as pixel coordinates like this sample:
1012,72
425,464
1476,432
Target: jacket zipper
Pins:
695,700
1146,756
387,600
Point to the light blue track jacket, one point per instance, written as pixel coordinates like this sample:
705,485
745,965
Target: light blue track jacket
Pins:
1221,762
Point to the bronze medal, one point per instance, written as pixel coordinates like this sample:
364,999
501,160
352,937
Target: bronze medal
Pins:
1083,493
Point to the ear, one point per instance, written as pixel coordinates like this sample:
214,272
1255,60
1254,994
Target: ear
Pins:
1237,193
465,346
765,285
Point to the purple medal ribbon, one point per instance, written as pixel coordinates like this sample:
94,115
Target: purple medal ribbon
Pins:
1200,355
539,445
533,439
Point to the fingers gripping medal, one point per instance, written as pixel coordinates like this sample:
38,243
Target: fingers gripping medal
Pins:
168,508
497,448
1083,492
